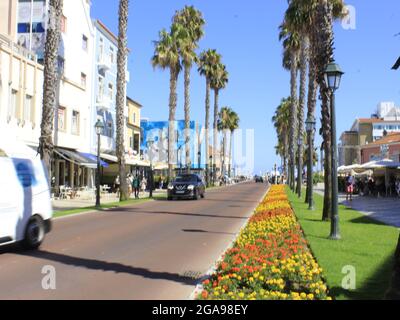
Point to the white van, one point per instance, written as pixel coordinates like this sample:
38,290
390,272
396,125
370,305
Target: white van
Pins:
25,203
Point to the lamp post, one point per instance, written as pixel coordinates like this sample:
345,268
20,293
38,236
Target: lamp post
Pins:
150,144
299,167
333,75
99,127
310,127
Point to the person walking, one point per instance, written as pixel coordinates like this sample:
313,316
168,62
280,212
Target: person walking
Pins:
161,183
136,186
397,186
349,187
143,185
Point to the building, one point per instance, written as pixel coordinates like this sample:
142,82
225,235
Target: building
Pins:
8,22
133,132
368,130
386,148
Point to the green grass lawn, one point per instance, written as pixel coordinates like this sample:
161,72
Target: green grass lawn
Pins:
64,213
366,244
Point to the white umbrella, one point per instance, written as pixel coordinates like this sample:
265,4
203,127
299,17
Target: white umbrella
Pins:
381,164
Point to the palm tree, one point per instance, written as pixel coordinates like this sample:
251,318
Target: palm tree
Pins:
281,121
234,125
166,56
326,12
121,94
224,125
208,60
219,81
291,44
53,37
193,23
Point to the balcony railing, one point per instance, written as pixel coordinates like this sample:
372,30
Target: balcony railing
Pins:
17,49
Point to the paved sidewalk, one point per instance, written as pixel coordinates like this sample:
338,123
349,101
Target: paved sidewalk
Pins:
385,210
65,205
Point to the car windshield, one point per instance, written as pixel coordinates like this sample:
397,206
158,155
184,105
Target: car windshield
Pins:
186,178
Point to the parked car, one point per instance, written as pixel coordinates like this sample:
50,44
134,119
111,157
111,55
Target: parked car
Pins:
259,179
187,186
25,202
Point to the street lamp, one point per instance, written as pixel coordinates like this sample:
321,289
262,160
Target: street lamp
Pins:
299,167
333,75
99,127
150,144
310,128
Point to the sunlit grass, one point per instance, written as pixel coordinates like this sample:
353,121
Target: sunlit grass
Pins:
366,244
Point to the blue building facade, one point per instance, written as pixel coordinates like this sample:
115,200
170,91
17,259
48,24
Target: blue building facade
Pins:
157,131
104,87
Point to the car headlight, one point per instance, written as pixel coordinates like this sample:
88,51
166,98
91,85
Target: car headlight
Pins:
170,187
191,187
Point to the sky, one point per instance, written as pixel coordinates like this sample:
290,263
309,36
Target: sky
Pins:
246,34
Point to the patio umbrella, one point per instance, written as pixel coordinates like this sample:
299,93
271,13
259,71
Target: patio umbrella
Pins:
381,164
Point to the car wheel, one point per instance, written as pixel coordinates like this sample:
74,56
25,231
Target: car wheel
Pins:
203,195
196,195
34,233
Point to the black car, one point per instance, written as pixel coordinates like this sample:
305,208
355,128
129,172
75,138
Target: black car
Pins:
259,179
187,186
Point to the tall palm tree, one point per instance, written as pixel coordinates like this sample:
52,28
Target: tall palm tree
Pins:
291,45
207,62
233,126
166,56
281,121
219,81
192,21
326,12
121,94
53,37
224,125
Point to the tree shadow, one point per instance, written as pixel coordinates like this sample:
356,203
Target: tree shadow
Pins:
373,288
367,220
108,267
204,231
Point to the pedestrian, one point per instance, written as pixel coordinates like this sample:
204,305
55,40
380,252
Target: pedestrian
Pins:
161,183
398,187
116,185
349,187
135,186
143,184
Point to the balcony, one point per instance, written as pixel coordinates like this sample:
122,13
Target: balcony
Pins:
103,104
104,63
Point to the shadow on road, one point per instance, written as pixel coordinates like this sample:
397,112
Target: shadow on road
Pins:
108,266
204,231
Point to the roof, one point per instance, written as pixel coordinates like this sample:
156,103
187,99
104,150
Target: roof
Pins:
371,120
134,102
113,37
393,137
396,65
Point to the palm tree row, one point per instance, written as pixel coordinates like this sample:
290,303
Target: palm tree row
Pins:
176,50
308,37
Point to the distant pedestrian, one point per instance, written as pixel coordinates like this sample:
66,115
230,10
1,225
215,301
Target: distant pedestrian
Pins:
136,186
161,184
349,187
143,185
398,187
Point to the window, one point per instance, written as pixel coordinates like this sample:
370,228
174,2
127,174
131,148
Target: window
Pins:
83,80
64,24
134,117
112,57
13,112
111,91
28,109
75,123
85,43
101,49
136,143
62,119
101,89
109,129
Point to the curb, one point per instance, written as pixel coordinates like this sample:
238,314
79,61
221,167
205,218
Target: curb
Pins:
199,287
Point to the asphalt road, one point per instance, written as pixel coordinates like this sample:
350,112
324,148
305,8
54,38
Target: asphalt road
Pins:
154,250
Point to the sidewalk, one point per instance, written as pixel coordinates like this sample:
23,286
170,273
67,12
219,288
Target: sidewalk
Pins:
385,210
66,205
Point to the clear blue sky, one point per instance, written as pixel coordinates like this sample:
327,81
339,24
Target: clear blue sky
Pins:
246,34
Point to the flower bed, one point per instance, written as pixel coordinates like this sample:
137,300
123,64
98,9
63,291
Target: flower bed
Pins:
270,260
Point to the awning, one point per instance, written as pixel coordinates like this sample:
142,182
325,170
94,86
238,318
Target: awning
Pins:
109,157
382,164
137,163
76,158
92,157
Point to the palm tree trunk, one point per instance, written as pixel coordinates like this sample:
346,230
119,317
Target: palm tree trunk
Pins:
230,154
224,154
121,95
215,127
293,117
187,117
302,101
311,105
49,85
171,127
207,128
